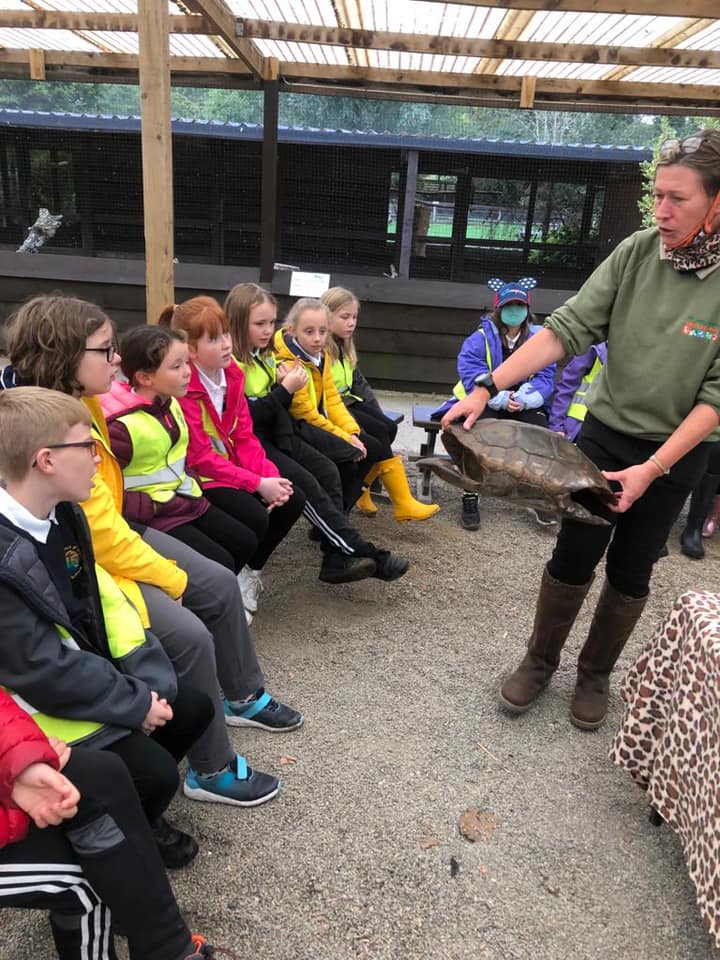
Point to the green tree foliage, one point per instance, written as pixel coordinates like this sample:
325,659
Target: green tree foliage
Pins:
666,129
350,113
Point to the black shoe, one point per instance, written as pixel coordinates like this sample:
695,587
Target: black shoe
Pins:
470,517
177,849
390,566
691,543
339,568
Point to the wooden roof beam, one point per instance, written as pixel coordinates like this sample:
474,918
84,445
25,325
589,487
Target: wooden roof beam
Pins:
660,8
127,62
111,22
223,21
616,91
492,49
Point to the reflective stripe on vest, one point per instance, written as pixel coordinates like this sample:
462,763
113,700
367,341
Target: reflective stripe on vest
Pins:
124,632
578,408
260,376
156,468
459,391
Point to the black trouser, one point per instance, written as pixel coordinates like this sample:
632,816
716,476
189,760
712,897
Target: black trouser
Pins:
270,528
635,537
345,457
374,422
319,479
105,857
152,761
221,537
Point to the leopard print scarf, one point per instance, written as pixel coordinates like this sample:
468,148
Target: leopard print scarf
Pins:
704,251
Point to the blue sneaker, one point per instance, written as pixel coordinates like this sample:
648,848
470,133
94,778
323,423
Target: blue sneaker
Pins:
265,713
238,784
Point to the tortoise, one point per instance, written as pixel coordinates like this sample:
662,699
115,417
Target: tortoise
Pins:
526,464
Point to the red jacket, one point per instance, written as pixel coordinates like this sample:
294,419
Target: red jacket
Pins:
22,742
246,464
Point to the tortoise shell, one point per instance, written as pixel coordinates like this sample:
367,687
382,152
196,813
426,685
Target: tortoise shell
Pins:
526,464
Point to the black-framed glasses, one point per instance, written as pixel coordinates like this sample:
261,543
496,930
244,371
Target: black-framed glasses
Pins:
673,147
108,351
91,445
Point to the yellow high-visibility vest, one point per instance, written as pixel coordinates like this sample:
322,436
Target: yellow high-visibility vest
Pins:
459,391
578,408
124,631
157,467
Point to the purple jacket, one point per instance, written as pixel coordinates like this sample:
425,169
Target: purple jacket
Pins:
472,361
570,380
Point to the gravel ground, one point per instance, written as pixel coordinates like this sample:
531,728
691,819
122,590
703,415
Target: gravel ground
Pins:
361,856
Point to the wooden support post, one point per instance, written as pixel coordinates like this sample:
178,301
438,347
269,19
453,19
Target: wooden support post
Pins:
527,92
408,215
154,69
37,64
269,226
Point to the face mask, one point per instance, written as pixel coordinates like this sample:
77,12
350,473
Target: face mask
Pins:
513,314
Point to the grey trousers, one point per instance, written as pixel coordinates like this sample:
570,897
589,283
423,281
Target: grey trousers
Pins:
207,640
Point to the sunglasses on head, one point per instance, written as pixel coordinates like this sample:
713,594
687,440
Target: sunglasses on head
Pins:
673,148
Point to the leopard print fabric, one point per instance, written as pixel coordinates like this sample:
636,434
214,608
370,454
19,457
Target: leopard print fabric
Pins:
669,741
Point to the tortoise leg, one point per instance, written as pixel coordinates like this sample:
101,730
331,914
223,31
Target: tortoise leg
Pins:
444,468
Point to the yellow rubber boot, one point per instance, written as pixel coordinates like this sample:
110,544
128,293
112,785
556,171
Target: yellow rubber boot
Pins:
364,502
395,481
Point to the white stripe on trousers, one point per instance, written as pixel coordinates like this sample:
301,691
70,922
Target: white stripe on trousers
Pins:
317,521
17,879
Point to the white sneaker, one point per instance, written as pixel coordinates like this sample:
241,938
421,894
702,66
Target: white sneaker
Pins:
250,587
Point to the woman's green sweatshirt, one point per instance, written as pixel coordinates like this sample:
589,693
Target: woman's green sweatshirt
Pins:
663,333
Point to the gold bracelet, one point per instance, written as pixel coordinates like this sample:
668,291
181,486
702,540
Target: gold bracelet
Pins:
663,470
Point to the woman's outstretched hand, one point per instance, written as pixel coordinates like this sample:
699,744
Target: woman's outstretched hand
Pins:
633,481
467,410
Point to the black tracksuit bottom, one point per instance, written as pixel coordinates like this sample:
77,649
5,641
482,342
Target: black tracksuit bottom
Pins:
103,860
320,480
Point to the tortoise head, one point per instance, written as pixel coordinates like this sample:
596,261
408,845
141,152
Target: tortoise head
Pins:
464,468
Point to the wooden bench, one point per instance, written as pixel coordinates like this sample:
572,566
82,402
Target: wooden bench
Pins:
421,418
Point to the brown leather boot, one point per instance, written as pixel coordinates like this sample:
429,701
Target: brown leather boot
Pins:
613,622
557,606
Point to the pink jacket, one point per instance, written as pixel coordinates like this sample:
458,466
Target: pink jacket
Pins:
246,464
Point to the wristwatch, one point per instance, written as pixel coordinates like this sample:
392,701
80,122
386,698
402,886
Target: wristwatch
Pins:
486,380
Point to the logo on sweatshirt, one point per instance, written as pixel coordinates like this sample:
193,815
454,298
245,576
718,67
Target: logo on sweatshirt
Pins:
73,561
707,330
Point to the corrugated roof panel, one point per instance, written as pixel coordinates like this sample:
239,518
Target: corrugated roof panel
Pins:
674,75
707,39
302,52
309,11
12,5
115,41
89,6
19,38
406,16
603,29
394,60
193,45
553,69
